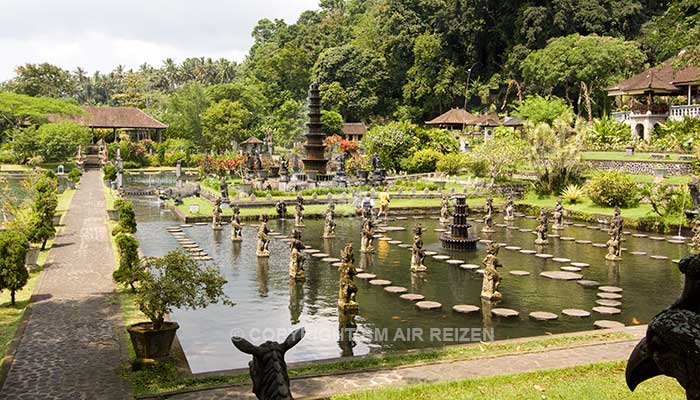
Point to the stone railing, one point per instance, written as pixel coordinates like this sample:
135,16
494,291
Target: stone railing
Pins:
677,113
642,167
621,116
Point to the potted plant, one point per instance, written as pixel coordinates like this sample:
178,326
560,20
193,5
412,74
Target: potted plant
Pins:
74,177
167,283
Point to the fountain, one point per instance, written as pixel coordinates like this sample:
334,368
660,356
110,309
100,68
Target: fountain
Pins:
315,161
459,237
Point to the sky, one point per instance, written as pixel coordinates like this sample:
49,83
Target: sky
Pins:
98,35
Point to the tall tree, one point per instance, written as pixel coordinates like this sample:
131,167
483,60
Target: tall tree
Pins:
42,80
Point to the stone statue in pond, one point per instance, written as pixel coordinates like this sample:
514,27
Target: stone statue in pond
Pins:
542,228
671,346
223,185
615,241
367,241
445,210
236,226
348,289
488,217
268,370
296,257
558,216
492,279
695,240
417,252
509,210
299,214
329,224
281,208
216,222
263,239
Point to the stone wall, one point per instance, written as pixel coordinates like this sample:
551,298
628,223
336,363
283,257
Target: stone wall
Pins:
641,167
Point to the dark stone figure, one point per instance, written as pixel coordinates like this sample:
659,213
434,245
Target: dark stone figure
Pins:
284,166
268,370
223,185
374,161
281,209
694,187
672,343
340,163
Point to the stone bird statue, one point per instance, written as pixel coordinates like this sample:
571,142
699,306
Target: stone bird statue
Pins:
268,370
672,343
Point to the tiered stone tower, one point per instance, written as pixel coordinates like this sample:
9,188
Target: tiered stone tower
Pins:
315,161
458,238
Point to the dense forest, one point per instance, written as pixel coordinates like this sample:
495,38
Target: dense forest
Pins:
381,60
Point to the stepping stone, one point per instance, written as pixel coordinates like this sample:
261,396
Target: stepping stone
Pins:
330,259
441,257
610,289
519,273
311,251
659,257
530,217
440,230
174,229
570,269
676,241
185,226
580,265
525,230
365,275
567,239
307,247
412,296
595,228
584,242
394,228
320,255
514,248
430,253
394,242
512,228
405,246
543,316
485,241
380,282
337,264
638,253
609,296
470,267
501,225
554,236
395,289
385,239
588,283
656,238
561,260
605,324
191,246
639,235
676,261
543,255
428,305
465,308
579,225
600,245
455,262
528,251
607,310
576,313
479,271
504,312
561,275
609,303
418,217
201,223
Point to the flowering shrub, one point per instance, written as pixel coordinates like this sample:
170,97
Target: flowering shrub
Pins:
348,146
223,165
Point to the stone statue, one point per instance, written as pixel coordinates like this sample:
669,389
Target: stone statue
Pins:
299,214
236,227
284,166
296,257
509,210
542,228
340,163
374,161
488,217
615,232
257,162
445,210
216,222
348,289
694,188
249,161
695,240
417,252
281,208
492,279
672,343
366,243
268,370
223,185
558,215
79,159
329,225
263,239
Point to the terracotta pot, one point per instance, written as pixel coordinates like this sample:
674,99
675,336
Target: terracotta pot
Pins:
152,344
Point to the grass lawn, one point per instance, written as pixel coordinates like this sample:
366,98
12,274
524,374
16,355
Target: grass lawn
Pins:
11,316
622,156
595,381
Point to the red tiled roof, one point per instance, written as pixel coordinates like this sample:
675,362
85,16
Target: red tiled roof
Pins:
114,117
354,128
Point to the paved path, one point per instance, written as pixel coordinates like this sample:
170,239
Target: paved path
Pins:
71,347
325,386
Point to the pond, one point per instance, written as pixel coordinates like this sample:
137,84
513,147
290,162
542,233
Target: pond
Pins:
265,300
141,180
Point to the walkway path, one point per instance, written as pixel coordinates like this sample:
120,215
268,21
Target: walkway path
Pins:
71,347
325,386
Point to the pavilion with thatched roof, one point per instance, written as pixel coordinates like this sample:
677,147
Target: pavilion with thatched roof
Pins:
130,120
455,118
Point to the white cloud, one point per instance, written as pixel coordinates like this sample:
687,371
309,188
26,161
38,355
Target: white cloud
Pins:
99,35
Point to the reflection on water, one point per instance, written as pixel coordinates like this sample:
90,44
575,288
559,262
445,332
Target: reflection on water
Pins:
265,298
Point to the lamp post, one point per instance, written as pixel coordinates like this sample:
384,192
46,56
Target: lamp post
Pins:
466,89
